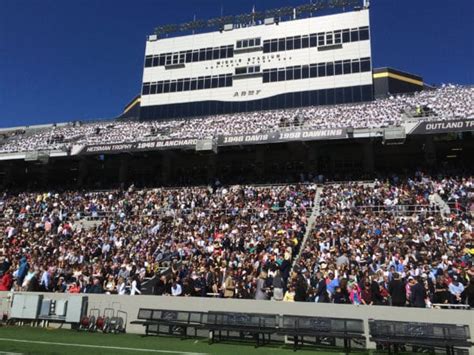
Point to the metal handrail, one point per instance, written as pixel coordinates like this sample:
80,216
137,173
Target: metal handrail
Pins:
178,211
451,306
396,209
388,207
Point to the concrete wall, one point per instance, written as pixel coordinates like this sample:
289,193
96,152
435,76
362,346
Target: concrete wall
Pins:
131,305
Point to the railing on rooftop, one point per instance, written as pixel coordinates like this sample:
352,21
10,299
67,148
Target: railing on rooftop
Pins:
256,17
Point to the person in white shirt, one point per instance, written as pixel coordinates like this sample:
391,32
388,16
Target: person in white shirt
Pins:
456,289
176,289
121,287
134,287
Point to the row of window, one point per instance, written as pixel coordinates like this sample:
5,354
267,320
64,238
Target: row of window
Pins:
274,45
248,43
317,70
316,40
187,84
197,55
288,100
247,70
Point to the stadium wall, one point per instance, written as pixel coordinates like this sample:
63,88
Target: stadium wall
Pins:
131,305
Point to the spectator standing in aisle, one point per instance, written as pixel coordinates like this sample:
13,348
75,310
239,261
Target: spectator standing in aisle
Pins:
396,288
417,294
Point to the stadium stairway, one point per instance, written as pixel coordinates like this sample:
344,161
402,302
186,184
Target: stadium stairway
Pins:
148,284
89,224
316,211
441,204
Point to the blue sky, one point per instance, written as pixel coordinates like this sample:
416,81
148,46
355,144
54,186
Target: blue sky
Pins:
63,60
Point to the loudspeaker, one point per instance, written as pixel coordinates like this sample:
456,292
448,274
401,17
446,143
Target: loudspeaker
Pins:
205,145
394,135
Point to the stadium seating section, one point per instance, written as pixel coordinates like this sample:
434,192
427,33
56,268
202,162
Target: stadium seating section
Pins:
446,103
395,241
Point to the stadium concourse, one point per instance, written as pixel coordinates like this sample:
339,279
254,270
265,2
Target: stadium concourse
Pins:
448,102
400,241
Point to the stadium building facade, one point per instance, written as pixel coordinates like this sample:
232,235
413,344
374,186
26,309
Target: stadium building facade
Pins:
311,61
318,62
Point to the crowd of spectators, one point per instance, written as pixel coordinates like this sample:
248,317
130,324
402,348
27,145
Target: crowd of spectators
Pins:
361,252
204,237
446,103
383,242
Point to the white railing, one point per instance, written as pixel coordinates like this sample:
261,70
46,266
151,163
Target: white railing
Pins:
399,210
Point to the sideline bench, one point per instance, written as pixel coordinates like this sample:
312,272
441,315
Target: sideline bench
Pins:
247,325
176,322
419,335
322,328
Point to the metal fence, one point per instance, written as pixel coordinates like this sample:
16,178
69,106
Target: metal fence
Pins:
397,210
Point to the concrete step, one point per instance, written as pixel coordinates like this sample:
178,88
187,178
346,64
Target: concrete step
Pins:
437,200
89,224
315,212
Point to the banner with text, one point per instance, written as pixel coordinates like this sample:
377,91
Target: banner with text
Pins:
433,127
280,137
139,146
242,139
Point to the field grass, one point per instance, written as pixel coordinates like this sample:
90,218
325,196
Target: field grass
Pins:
29,340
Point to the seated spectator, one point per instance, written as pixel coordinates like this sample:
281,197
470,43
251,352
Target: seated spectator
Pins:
6,281
341,294
289,295
96,287
74,287
176,289
354,293
121,286
109,285
455,289
366,295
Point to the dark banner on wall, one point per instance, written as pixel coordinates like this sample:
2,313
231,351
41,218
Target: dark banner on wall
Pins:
139,146
243,139
279,137
443,127
268,138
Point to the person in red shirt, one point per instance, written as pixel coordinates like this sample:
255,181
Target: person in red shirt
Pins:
74,288
6,281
